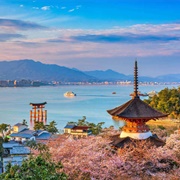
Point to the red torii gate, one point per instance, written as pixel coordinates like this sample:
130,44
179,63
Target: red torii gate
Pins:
37,114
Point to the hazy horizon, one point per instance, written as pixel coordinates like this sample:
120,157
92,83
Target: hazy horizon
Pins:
93,35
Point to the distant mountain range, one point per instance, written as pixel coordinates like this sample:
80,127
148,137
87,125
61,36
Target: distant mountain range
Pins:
30,69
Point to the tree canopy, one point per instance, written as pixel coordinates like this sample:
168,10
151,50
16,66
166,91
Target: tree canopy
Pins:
38,166
167,101
39,125
51,127
34,168
3,129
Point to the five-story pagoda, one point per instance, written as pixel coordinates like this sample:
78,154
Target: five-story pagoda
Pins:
135,113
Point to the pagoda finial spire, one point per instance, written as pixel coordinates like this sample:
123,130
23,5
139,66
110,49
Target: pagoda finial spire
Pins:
136,80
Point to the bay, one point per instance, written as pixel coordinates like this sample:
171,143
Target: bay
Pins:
91,101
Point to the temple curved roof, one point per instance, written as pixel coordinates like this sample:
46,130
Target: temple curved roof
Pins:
135,109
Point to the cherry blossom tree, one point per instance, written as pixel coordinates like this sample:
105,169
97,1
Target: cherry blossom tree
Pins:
94,158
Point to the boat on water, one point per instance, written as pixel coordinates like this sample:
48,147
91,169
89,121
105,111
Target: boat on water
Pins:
69,94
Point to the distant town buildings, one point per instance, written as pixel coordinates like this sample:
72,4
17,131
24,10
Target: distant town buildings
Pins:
19,83
30,83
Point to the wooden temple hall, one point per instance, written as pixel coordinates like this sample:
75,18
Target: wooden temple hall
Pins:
135,113
38,114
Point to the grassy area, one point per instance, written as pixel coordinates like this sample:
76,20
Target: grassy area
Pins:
164,122
163,127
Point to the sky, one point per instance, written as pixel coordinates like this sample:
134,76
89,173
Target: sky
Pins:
93,34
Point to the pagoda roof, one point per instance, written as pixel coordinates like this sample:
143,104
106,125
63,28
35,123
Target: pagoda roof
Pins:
121,142
135,109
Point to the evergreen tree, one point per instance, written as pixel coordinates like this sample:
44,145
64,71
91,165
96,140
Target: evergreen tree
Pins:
39,125
52,127
167,101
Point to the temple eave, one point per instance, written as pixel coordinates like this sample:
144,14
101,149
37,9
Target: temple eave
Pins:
120,118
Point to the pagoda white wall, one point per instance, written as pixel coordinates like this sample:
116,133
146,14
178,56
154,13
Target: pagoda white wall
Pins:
136,135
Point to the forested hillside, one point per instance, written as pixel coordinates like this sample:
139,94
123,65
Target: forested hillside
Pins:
167,101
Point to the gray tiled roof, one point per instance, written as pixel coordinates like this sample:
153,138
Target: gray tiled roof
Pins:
44,136
70,126
24,134
19,150
40,131
10,144
19,124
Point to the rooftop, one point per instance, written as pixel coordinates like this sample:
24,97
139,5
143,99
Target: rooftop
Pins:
26,133
19,150
38,104
43,136
19,124
70,126
136,109
80,127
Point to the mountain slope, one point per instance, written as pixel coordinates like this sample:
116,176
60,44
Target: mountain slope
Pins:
29,69
108,75
170,78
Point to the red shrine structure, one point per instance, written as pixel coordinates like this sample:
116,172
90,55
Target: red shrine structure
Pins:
135,113
37,114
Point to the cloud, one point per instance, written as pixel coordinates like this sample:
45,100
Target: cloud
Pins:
125,38
63,7
5,37
71,10
24,44
57,40
135,33
45,8
35,7
88,46
19,24
78,6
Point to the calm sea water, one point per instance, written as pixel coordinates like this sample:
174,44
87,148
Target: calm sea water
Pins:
91,101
